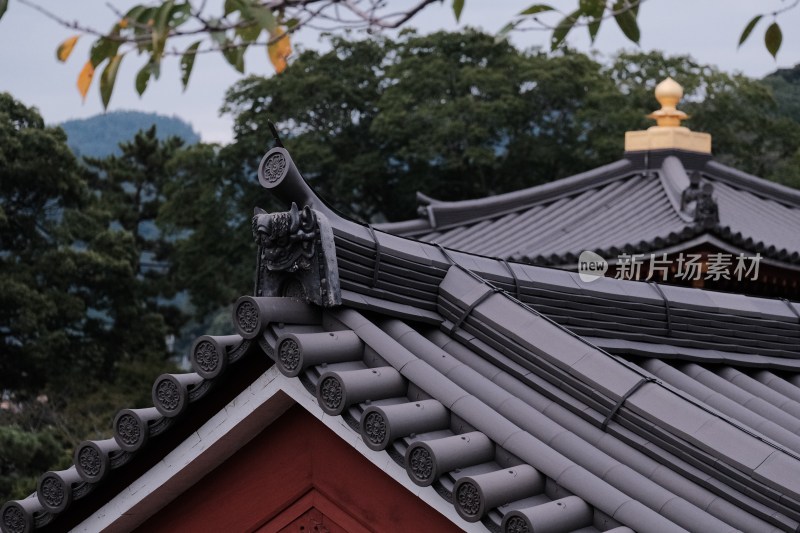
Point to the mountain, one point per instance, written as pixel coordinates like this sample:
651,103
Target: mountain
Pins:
99,136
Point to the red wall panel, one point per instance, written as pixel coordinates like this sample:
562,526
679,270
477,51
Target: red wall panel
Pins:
297,467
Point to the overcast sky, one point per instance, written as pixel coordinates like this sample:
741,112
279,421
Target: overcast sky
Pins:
708,30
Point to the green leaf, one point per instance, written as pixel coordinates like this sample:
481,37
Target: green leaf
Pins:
180,14
3,7
773,38
536,8
748,29
626,20
235,56
143,77
262,15
563,28
592,8
161,28
155,68
163,15
145,15
142,26
102,49
231,6
249,33
291,23
458,6
218,37
593,11
594,27
133,13
187,63
108,78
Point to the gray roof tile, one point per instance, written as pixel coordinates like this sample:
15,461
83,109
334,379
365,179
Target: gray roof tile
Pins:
620,207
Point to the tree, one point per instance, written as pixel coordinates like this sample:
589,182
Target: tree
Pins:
462,116
77,336
207,212
131,190
750,130
374,121
238,24
40,183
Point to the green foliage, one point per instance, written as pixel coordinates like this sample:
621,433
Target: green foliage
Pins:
40,312
749,130
331,99
129,191
25,455
785,85
100,135
208,210
81,322
456,115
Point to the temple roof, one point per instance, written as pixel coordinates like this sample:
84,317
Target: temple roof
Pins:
525,397
646,202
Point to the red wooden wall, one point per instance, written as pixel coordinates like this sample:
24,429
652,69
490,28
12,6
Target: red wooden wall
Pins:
297,476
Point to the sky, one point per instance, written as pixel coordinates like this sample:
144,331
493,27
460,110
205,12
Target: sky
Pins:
708,30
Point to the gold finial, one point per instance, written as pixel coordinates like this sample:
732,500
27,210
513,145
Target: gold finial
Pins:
668,93
668,133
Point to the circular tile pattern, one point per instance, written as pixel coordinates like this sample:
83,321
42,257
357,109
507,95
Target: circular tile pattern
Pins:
52,491
273,167
168,395
14,519
420,463
247,316
331,393
289,354
89,461
375,428
468,499
516,524
128,429
206,356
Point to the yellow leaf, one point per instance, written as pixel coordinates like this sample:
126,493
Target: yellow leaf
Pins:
85,79
280,50
65,48
123,23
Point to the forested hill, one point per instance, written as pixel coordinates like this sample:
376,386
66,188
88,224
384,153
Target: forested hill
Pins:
100,135
785,85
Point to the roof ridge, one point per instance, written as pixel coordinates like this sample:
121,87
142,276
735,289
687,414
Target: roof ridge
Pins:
751,182
674,180
513,200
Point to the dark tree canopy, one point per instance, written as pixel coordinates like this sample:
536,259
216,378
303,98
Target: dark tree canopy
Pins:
78,334
461,116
